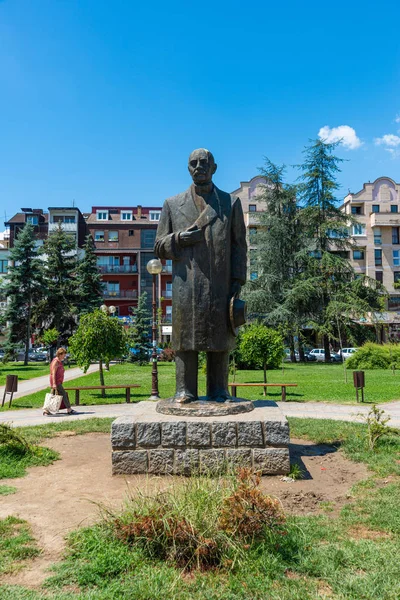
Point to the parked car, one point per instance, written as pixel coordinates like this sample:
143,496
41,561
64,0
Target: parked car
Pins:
37,356
319,354
347,352
307,356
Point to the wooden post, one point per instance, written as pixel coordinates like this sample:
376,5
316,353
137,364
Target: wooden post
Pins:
233,391
283,393
76,397
128,394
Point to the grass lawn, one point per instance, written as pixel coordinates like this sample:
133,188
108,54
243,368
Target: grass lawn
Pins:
17,368
316,382
352,557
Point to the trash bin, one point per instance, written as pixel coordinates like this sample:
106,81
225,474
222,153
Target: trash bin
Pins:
358,378
11,384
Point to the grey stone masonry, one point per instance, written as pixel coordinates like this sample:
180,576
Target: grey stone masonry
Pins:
150,442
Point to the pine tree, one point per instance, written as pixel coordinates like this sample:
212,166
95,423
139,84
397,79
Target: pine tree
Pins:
327,287
22,287
57,308
88,279
279,240
139,331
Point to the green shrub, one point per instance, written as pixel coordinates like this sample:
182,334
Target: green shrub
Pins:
261,346
375,356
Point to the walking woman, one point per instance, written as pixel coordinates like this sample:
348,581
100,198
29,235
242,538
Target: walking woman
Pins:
57,378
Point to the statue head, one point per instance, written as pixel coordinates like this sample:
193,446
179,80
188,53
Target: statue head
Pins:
202,166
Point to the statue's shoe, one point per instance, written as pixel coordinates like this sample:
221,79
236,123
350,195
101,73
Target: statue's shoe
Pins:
184,398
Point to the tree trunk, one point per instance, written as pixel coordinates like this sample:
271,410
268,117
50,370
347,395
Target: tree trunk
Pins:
101,373
292,350
265,377
327,349
28,333
301,348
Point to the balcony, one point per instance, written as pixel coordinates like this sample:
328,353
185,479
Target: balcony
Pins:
117,268
68,227
120,294
253,218
385,219
167,294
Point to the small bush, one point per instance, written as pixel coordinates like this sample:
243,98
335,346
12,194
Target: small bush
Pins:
167,355
249,513
373,356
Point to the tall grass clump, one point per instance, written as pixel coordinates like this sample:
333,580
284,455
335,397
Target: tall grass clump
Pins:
203,523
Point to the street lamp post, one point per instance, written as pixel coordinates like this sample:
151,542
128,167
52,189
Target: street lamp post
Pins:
154,267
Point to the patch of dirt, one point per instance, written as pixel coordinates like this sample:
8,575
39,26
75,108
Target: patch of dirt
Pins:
69,493
363,533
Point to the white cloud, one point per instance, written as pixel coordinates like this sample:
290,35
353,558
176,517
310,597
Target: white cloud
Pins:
397,119
344,134
389,139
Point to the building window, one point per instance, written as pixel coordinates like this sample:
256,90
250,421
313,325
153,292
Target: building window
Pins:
70,219
148,237
252,207
394,303
155,215
395,235
113,236
99,236
113,288
394,208
358,229
356,210
379,276
168,314
378,258
3,266
396,258
358,254
126,215
396,276
375,208
377,236
102,215
253,235
32,219
130,233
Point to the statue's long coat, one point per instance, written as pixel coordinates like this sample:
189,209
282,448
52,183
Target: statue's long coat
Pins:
202,273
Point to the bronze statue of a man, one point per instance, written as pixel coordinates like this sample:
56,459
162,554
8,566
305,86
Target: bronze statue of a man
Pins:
202,230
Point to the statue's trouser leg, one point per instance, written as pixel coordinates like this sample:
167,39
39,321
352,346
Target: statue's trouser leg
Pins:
186,376
217,375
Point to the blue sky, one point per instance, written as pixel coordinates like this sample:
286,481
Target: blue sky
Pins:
101,102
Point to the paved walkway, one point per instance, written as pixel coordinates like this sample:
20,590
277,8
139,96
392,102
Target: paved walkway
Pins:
313,410
30,386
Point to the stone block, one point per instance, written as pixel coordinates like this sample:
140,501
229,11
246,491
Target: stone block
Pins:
271,461
161,462
187,462
276,433
148,435
238,457
212,461
173,434
250,433
198,435
129,462
223,434
123,433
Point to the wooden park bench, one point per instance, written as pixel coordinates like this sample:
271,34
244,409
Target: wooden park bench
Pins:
281,385
127,389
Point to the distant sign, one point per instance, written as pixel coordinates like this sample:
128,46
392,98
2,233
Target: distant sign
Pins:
167,329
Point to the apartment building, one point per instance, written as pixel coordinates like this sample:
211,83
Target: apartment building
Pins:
377,239
249,193
124,238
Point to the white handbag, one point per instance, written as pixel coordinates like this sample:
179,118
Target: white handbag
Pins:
52,403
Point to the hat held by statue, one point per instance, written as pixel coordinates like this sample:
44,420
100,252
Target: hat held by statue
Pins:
237,314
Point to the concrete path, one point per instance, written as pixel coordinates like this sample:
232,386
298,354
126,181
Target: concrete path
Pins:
313,410
30,386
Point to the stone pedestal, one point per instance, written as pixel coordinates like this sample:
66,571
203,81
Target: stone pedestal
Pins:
150,442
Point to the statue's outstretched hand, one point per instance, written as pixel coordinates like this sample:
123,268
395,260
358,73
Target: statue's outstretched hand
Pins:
191,236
